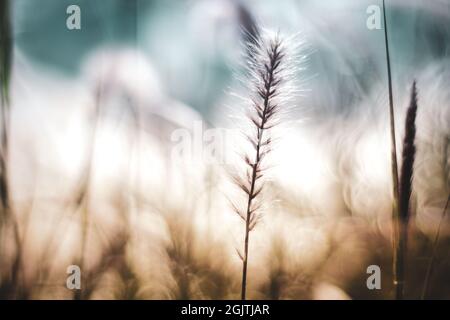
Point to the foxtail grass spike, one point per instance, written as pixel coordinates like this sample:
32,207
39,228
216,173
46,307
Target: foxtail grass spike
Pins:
406,176
268,73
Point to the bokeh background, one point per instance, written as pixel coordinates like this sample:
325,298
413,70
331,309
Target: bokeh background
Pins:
96,116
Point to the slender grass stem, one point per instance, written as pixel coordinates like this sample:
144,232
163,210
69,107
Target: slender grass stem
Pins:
398,276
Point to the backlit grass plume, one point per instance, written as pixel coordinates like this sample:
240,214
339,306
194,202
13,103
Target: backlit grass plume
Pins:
269,70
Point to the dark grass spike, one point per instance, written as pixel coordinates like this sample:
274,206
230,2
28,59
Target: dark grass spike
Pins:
408,155
406,176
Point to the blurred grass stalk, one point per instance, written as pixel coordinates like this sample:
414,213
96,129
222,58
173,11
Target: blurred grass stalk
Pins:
397,249
6,216
5,70
83,195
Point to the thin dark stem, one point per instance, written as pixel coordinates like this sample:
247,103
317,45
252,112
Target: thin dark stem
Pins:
397,263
